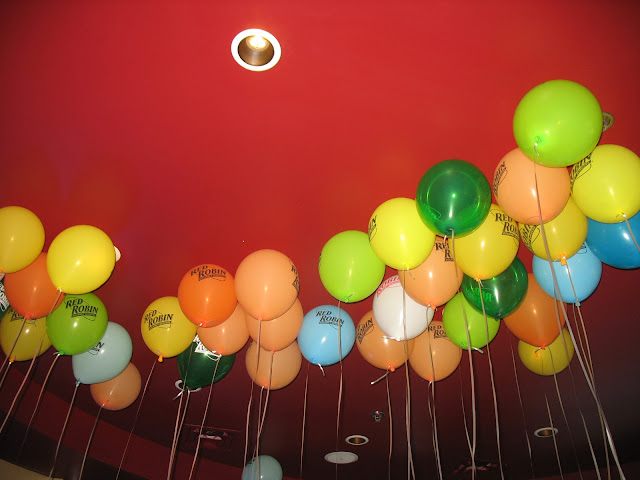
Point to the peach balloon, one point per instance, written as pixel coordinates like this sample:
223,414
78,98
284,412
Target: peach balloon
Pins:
379,350
518,182
273,370
229,337
434,356
119,392
436,280
280,332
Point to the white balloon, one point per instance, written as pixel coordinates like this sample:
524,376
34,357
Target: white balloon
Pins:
397,314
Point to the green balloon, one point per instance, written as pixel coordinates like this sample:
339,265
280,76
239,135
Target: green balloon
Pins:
453,320
557,123
453,197
196,366
502,294
78,324
349,269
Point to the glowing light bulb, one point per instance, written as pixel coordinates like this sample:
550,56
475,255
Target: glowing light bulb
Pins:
257,42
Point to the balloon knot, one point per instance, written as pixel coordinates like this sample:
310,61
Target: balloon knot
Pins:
160,359
12,359
563,261
391,369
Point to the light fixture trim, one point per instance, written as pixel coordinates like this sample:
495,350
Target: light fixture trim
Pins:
341,458
356,440
546,432
277,50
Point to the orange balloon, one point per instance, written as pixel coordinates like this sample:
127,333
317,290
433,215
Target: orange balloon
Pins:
267,284
119,392
280,332
31,292
377,349
436,280
207,295
514,186
229,337
535,321
434,356
275,370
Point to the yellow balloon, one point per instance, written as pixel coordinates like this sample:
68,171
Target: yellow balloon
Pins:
80,259
565,234
489,249
550,359
31,334
21,238
605,184
398,236
165,329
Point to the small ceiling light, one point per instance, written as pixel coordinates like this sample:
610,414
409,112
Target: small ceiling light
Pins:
356,440
341,457
256,50
545,432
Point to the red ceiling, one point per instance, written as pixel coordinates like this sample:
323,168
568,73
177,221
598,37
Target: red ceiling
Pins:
133,117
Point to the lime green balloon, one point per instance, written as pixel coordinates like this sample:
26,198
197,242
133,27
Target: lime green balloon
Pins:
557,123
453,197
349,269
197,366
78,324
453,320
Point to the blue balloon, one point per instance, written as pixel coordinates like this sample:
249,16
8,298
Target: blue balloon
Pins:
268,469
318,337
584,269
612,242
107,359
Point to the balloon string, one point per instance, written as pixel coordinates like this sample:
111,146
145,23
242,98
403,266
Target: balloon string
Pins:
264,411
407,406
35,409
493,382
8,357
135,420
590,384
524,422
341,385
64,427
390,428
24,381
464,414
304,416
4,375
473,398
573,287
176,428
86,451
633,237
555,442
204,418
248,421
431,404
381,377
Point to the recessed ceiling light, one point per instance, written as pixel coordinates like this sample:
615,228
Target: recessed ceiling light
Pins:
256,50
545,432
341,457
356,439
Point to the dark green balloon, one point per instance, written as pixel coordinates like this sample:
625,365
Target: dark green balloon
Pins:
502,294
453,196
196,368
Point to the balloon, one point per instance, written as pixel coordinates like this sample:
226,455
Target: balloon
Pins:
262,468
30,291
348,267
21,238
107,359
378,349
453,197
398,315
436,280
582,272
454,315
501,294
4,301
557,123
549,360
280,332
267,284
119,392
397,235
535,321
207,295
327,335
80,259
518,182
565,234
77,324
489,249
605,184
165,329
273,370
31,334
613,244
434,356
197,365
229,337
